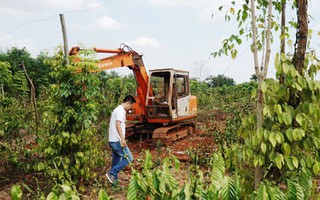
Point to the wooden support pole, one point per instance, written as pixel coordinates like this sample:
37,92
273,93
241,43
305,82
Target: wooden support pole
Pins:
65,40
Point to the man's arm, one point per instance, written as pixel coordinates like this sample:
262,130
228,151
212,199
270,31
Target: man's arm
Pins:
119,130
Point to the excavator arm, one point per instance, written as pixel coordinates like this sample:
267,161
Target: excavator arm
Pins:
122,58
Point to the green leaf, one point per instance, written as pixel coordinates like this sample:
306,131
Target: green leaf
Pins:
303,163
289,162
87,123
74,197
309,161
272,139
307,108
299,119
316,168
133,187
16,192
234,53
289,134
295,162
279,137
249,153
228,189
66,188
278,108
285,68
294,72
186,191
103,195
296,134
279,161
147,161
287,118
260,133
311,84
286,148
266,110
80,154
263,87
294,191
261,160
297,86
302,81
262,192
263,148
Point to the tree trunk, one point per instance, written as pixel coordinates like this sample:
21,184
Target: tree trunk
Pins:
302,35
261,74
260,102
300,45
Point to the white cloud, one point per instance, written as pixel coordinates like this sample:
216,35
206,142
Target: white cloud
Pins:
109,23
144,42
104,23
7,42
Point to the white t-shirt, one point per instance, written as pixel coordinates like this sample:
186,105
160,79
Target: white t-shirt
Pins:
118,114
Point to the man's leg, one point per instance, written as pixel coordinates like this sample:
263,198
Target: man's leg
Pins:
112,175
126,158
115,158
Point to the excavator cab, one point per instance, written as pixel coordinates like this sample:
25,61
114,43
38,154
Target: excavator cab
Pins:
170,99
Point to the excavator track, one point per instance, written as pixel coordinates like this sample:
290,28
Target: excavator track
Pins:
169,134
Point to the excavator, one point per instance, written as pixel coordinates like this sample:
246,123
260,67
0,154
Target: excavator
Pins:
164,108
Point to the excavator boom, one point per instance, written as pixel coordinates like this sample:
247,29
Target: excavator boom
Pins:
122,58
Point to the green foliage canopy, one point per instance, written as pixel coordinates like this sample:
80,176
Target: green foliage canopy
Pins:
219,81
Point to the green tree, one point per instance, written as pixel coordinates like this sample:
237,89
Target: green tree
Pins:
5,76
219,81
38,70
254,77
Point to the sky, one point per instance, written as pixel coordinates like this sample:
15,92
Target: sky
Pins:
178,34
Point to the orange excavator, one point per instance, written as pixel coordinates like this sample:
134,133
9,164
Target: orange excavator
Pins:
165,107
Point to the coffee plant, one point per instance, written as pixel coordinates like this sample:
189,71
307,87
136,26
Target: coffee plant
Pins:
288,143
71,149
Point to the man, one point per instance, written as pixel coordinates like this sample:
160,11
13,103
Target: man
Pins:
121,155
